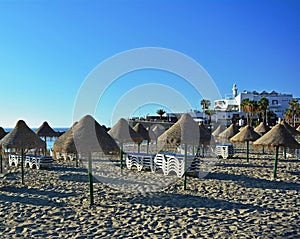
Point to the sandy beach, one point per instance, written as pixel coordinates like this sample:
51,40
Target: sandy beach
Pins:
235,199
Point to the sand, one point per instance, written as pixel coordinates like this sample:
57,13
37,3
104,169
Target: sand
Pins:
234,200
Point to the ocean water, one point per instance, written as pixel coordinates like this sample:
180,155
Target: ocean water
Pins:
50,141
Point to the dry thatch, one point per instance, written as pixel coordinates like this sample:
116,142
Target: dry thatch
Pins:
184,131
22,137
229,132
46,131
218,130
123,133
141,130
291,129
65,142
2,133
156,131
246,134
86,136
277,136
262,128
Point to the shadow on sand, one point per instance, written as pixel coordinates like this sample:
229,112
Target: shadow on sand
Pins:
37,201
249,182
190,201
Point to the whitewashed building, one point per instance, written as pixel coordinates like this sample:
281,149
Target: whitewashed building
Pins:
230,107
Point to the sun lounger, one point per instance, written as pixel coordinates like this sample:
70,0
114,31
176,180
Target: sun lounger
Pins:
167,162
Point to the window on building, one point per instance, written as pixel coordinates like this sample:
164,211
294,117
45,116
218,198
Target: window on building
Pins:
274,102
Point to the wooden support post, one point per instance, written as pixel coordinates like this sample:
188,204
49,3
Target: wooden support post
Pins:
90,173
185,166
275,162
22,166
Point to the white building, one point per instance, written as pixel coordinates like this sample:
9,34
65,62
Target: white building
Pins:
231,105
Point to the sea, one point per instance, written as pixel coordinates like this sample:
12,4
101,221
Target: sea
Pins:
49,141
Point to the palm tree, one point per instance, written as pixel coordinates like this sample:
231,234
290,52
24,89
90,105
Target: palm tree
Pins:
245,107
209,113
253,109
294,106
263,104
205,104
250,108
288,115
160,112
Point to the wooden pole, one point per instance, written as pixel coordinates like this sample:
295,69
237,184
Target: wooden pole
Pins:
90,174
147,146
275,162
121,156
1,165
247,150
22,165
76,160
185,166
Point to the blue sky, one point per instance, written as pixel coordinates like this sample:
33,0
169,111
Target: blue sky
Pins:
48,48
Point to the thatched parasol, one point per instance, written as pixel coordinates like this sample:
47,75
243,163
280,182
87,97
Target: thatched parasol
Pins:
46,131
291,129
155,131
22,138
90,136
218,130
277,137
141,130
298,128
86,135
184,131
2,133
262,128
229,132
123,133
245,135
65,142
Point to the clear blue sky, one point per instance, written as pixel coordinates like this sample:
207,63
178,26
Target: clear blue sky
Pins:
47,49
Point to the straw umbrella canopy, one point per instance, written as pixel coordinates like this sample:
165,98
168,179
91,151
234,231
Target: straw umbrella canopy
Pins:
90,136
218,130
291,129
123,133
277,137
245,135
156,131
65,142
22,138
229,132
184,131
142,131
86,135
2,133
262,128
46,131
